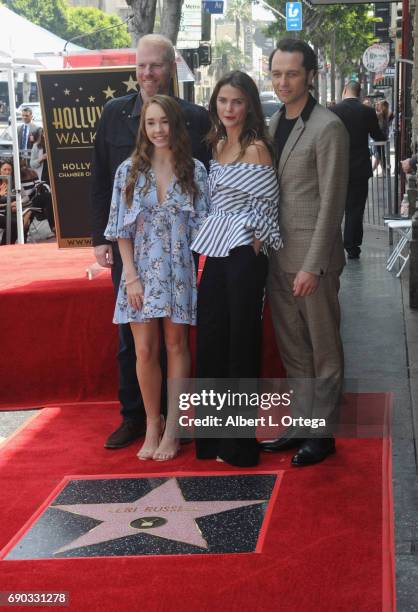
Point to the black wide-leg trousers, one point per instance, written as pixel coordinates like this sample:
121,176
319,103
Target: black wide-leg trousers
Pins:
229,326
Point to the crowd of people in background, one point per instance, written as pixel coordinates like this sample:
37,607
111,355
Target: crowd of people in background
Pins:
34,176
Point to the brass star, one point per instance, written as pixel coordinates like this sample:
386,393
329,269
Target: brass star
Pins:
67,92
130,84
109,92
91,98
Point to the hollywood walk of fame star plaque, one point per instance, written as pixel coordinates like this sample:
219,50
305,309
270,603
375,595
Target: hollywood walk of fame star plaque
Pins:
153,515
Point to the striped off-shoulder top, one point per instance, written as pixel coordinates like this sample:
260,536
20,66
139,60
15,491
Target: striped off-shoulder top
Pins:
244,201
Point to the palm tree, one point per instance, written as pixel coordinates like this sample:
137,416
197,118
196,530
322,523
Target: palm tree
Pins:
238,10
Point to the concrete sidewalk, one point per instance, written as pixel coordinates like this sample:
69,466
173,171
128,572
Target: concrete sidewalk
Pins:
380,335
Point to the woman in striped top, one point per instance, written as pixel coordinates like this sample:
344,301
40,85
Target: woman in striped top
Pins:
242,224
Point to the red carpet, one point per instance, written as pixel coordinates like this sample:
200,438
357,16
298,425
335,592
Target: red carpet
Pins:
328,547
57,337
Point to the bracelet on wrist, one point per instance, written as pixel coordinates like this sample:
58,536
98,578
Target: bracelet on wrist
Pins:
133,280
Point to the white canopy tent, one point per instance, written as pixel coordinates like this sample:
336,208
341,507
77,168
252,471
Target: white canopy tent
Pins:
21,41
22,38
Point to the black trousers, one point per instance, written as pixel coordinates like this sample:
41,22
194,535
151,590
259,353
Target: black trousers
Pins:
229,326
130,398
354,211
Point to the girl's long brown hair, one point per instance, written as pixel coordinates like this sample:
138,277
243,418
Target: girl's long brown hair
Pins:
254,127
180,147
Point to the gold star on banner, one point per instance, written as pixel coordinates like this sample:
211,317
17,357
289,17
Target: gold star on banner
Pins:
80,89
109,92
53,99
131,84
67,92
55,84
92,99
77,100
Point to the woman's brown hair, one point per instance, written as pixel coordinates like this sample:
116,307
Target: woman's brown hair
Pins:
254,127
179,144
384,108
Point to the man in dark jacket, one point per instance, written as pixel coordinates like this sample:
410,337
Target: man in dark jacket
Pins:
360,121
115,141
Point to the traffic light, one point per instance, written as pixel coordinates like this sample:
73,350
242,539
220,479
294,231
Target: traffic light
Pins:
191,57
399,21
381,28
205,55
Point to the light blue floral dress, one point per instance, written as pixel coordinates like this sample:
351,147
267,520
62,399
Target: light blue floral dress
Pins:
161,235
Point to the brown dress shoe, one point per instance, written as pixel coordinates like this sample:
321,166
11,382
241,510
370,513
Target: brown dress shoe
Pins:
125,434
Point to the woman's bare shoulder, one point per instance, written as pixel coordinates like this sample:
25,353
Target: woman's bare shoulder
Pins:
257,153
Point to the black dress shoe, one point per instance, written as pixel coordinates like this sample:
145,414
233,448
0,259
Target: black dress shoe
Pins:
313,451
288,440
125,434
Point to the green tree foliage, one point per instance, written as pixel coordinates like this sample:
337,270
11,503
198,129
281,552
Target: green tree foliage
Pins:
238,11
225,57
50,14
82,20
65,21
352,23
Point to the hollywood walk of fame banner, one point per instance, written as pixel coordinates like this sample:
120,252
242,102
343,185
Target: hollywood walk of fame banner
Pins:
72,103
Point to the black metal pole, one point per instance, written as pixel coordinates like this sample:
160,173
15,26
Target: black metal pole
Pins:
396,139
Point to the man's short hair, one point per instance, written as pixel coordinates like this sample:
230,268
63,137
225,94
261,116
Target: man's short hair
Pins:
27,109
354,88
292,45
160,41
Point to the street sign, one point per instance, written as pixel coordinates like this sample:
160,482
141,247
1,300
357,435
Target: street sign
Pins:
190,31
293,16
376,58
213,7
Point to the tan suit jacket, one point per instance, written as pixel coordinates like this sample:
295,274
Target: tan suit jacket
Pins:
313,174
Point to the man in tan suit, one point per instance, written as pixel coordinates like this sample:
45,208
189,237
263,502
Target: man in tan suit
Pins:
312,148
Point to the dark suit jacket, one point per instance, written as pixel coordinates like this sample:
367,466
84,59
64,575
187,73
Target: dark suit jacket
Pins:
115,141
33,128
360,121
